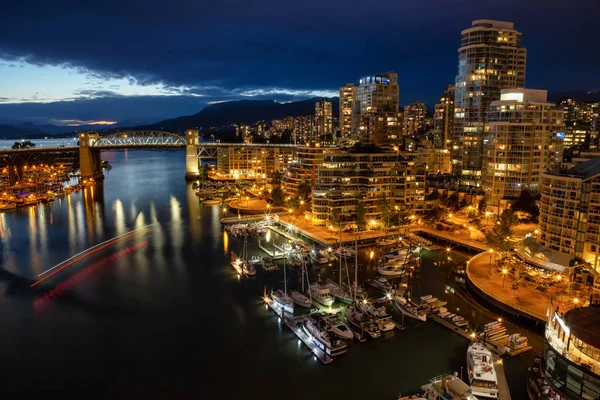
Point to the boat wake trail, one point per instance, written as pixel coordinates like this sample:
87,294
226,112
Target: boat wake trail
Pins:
62,265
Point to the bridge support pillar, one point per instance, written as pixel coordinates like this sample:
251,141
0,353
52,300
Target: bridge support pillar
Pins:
15,173
192,167
90,163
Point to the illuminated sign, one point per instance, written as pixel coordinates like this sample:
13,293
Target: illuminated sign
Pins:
560,135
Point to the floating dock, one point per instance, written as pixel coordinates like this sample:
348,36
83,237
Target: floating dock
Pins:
318,349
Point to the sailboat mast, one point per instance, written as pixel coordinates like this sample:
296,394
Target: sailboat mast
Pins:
355,268
284,279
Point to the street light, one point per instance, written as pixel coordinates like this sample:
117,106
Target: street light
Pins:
470,230
504,272
491,252
576,301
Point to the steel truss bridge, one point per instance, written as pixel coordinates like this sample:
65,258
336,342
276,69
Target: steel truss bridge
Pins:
131,139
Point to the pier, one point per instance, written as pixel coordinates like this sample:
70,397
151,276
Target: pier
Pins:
318,349
450,238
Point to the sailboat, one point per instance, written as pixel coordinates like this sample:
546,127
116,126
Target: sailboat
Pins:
298,297
241,265
281,297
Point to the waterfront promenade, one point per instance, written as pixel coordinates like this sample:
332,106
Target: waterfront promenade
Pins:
525,299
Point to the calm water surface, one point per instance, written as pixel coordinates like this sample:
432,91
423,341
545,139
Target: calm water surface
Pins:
160,313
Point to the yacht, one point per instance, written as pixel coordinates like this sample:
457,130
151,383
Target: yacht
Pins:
380,283
321,294
390,271
283,300
300,299
243,267
411,310
447,387
338,292
362,323
319,256
336,326
383,319
482,375
316,328
344,252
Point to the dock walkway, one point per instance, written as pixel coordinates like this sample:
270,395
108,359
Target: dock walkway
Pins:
318,349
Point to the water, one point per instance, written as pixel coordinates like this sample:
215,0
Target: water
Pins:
6,144
161,313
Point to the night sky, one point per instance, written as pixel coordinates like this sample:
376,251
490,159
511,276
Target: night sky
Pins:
70,62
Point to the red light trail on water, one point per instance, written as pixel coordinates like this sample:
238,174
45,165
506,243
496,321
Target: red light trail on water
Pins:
62,288
87,253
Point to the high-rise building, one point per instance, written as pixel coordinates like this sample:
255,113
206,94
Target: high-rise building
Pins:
376,115
303,167
490,58
344,179
570,212
414,117
347,99
443,120
522,140
323,120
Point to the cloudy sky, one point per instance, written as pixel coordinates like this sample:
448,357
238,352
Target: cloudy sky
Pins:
146,60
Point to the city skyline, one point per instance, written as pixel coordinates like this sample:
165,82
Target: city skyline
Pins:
156,68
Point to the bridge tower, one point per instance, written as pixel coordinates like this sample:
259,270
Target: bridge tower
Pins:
192,169
90,163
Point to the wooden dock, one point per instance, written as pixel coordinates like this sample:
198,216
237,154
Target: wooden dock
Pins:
451,326
276,253
503,390
320,351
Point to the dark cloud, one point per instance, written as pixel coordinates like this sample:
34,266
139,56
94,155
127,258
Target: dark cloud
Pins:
220,49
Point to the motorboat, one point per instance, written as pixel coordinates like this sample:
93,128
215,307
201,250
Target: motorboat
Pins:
362,323
482,375
338,327
268,265
319,256
243,267
300,299
338,292
383,319
316,328
411,310
255,260
447,387
344,252
320,293
283,300
390,271
380,283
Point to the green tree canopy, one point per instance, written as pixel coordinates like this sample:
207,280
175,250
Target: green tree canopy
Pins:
361,212
499,238
277,196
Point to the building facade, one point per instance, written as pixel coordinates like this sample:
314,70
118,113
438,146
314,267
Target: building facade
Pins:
252,161
345,179
347,99
376,116
443,120
303,167
414,118
570,212
490,58
571,355
323,120
437,161
522,140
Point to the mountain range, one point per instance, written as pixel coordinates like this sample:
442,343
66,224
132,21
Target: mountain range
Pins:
241,112
219,116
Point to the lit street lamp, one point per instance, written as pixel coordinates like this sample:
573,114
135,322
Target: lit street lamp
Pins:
470,230
504,272
491,252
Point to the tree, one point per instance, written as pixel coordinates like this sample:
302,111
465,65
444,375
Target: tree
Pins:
526,203
499,237
463,203
23,145
481,205
277,196
444,197
434,195
452,202
276,180
361,212
304,190
401,214
383,207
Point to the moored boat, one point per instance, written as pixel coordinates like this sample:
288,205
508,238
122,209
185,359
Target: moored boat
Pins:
283,300
482,375
300,299
379,283
320,293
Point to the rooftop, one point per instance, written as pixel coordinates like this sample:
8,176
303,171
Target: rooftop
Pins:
584,323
